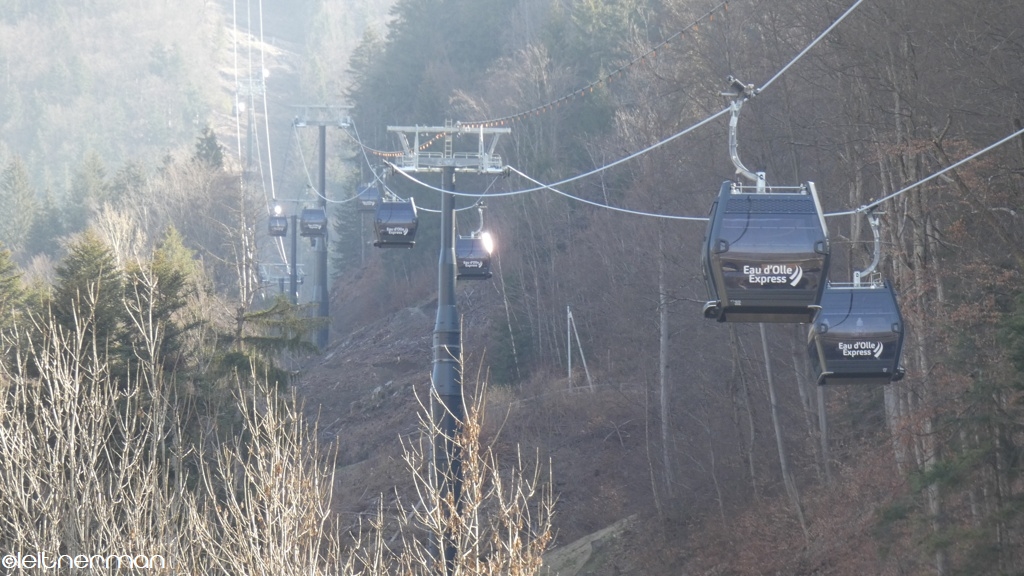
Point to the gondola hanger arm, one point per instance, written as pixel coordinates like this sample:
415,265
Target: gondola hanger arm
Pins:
740,93
873,221
480,210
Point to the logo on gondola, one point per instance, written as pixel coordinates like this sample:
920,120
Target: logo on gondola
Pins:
861,349
369,202
774,274
397,230
472,264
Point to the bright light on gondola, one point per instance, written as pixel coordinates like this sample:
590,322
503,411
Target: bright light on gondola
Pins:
488,242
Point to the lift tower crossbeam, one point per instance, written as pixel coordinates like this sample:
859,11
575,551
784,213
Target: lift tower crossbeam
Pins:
481,161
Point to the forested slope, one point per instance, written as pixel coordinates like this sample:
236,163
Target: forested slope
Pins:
148,363
921,476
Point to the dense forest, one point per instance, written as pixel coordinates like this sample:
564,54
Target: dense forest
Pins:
158,392
920,476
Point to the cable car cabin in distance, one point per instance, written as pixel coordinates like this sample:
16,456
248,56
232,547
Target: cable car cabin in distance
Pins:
473,256
277,225
395,224
766,254
857,336
313,222
368,198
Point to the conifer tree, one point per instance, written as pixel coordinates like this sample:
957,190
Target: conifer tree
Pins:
12,294
90,291
158,292
208,150
89,190
19,199
43,237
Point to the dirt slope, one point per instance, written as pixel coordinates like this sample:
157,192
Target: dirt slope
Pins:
364,391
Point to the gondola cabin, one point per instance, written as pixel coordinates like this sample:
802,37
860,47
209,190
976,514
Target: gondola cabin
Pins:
473,256
857,336
395,224
367,198
277,225
765,255
313,222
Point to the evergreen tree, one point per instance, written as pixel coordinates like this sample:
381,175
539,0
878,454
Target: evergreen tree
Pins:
89,190
261,337
12,294
89,292
19,199
208,150
129,183
47,228
160,290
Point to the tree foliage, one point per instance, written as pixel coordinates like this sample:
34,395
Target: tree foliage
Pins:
867,112
919,477
18,197
208,150
90,292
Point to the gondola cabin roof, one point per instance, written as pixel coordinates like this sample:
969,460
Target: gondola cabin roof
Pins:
765,255
473,257
313,222
395,224
857,336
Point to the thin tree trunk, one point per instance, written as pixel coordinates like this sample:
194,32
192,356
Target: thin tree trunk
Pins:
787,477
826,455
799,355
892,394
663,373
744,392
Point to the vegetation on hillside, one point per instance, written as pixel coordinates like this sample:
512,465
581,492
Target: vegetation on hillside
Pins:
143,355
919,477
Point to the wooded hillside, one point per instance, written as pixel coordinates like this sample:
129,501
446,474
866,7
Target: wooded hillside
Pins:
920,476
147,341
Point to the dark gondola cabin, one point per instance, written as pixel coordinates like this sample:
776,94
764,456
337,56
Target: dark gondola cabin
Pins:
368,198
395,224
277,225
313,222
473,256
766,255
857,336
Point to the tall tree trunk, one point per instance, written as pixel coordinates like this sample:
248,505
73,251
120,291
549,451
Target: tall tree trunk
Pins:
743,392
826,455
663,367
787,476
893,394
799,355
930,454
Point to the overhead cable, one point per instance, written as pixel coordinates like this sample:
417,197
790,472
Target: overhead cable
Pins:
479,200
714,116
809,46
266,113
607,206
952,166
597,170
